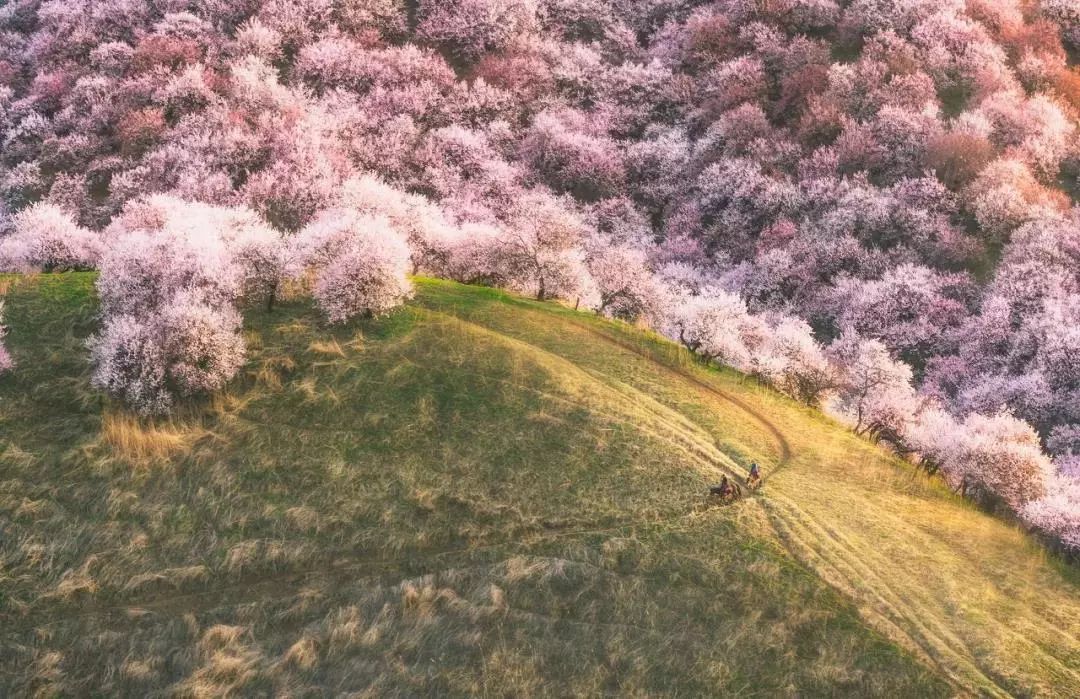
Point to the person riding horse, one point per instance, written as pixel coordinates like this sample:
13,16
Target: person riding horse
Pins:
754,479
725,490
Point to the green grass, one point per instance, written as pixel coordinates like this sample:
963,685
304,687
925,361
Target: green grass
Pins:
481,494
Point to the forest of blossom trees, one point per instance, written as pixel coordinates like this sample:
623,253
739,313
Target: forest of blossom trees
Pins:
868,204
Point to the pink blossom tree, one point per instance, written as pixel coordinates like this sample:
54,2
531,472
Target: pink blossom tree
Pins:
459,163
654,164
1057,513
794,362
871,16
1067,16
260,256
875,391
423,223
912,309
185,347
297,21
716,326
46,238
1004,196
161,245
995,458
168,285
254,38
543,249
932,435
999,457
1034,130
475,256
360,264
627,286
733,82
569,152
300,181
469,28
891,145
387,17
738,199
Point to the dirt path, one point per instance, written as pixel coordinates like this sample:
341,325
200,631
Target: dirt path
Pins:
781,442
787,520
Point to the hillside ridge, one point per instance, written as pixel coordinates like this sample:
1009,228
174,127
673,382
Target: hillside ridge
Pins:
539,471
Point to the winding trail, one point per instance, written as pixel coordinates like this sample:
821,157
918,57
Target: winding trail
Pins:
782,443
823,550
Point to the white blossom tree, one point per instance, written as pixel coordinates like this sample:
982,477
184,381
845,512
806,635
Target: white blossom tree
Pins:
184,348
360,264
46,238
875,391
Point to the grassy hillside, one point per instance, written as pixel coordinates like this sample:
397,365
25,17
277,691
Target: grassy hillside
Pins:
486,495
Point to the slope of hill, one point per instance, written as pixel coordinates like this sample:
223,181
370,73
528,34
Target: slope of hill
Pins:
483,494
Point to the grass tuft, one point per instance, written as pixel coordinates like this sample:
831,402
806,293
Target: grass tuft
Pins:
137,439
329,348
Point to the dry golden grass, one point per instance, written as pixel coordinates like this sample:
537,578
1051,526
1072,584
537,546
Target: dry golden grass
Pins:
272,371
131,437
330,348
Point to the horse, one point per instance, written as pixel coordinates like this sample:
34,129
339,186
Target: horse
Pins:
730,494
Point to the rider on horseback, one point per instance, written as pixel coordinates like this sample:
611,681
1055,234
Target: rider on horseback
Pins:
726,489
754,479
